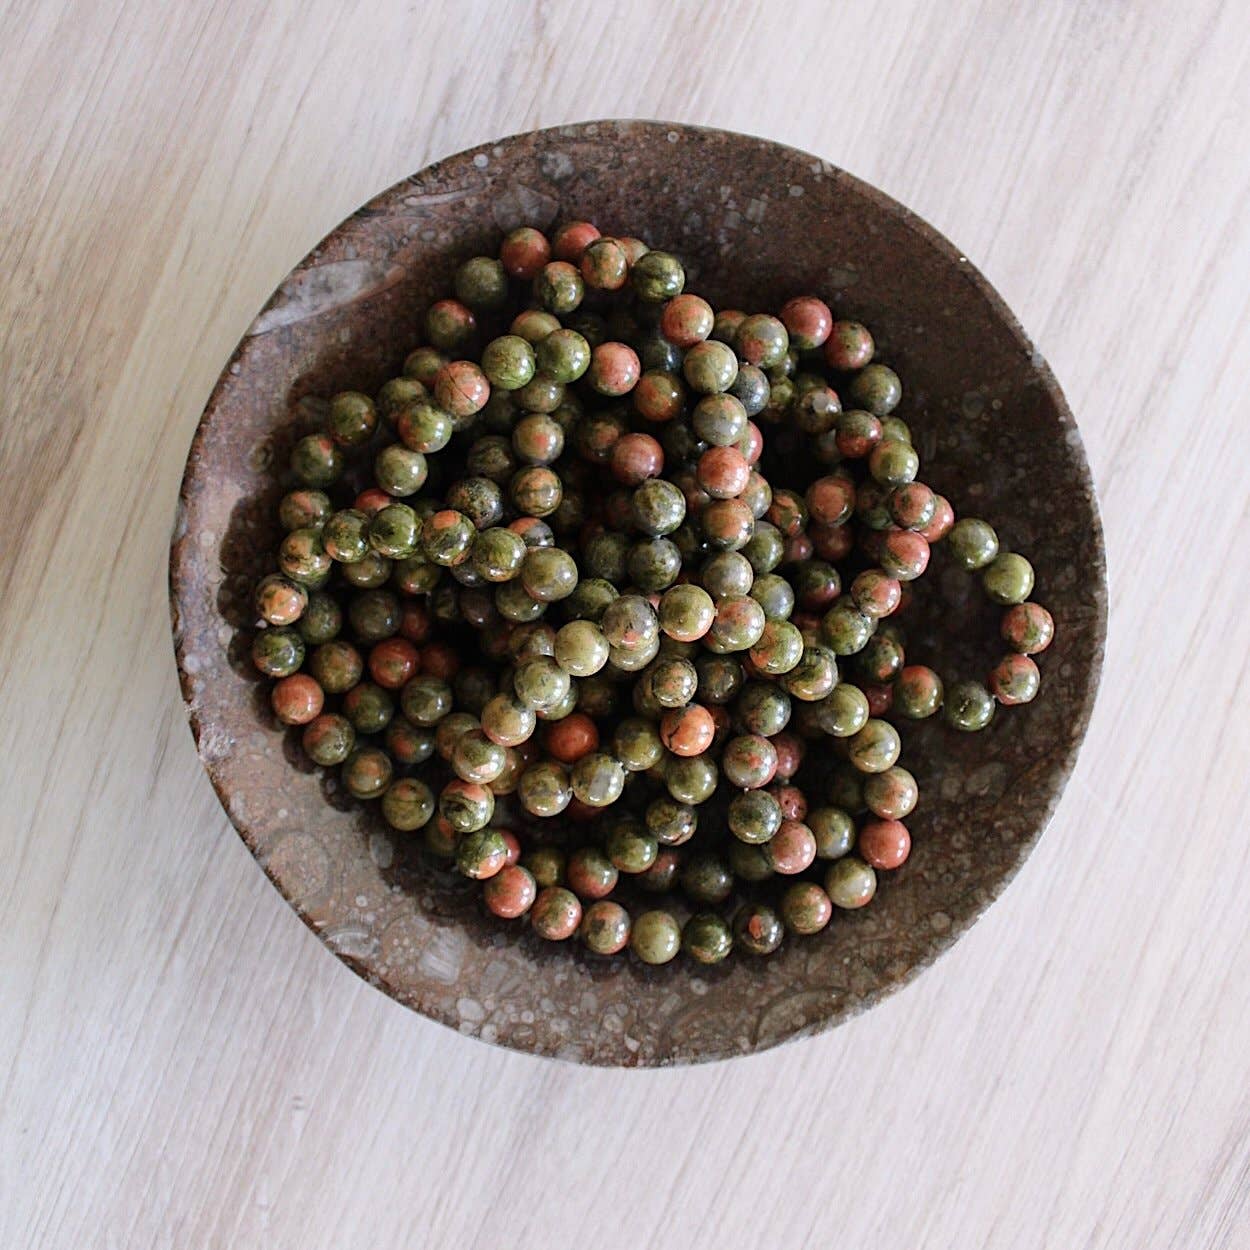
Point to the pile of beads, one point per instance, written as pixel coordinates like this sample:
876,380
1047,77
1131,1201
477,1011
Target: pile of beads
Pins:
556,576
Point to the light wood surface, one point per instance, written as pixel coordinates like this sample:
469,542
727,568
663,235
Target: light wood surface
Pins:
183,1064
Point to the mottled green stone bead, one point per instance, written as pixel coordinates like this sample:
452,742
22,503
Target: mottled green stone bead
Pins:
758,929
656,937
968,706
754,816
834,830
877,388
707,938
845,629
707,878
1008,578
844,712
972,542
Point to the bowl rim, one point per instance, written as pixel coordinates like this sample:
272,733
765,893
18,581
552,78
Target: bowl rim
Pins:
184,553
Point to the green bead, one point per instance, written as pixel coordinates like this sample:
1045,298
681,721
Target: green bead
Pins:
657,277
972,542
891,795
590,599
304,509
765,548
533,325
540,683
367,773
394,531
737,626
544,790
580,648
727,573
399,470
844,712
322,619
653,564
466,808
750,862
893,464
850,883
774,594
707,878
1008,578
481,854
477,759
482,284
316,460
508,362
425,700
762,708
368,707
630,847
814,677
657,507
779,649
498,554
719,419
720,676
895,428
564,355
423,364
278,652
656,937
630,622
834,830
546,864
537,439
414,576
762,340
754,816
450,730
636,743
369,573
845,629
691,779
805,908
330,739
397,394
447,537
345,536
559,287
875,747
877,388
968,706
375,615
540,394
548,574
605,927
337,666
710,367
352,419
671,823
917,693
598,779
758,929
706,938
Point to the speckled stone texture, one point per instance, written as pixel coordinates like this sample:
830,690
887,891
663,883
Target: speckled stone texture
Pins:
755,223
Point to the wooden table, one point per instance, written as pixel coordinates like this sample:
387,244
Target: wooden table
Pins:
183,1064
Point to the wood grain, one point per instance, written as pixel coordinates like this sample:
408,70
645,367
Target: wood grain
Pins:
182,1064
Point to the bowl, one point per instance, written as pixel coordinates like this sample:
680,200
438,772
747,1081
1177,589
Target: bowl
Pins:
755,222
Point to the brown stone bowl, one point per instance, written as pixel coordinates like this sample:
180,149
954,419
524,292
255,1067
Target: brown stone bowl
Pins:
755,222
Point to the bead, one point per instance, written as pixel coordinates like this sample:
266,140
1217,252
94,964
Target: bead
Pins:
968,706
1014,679
884,843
